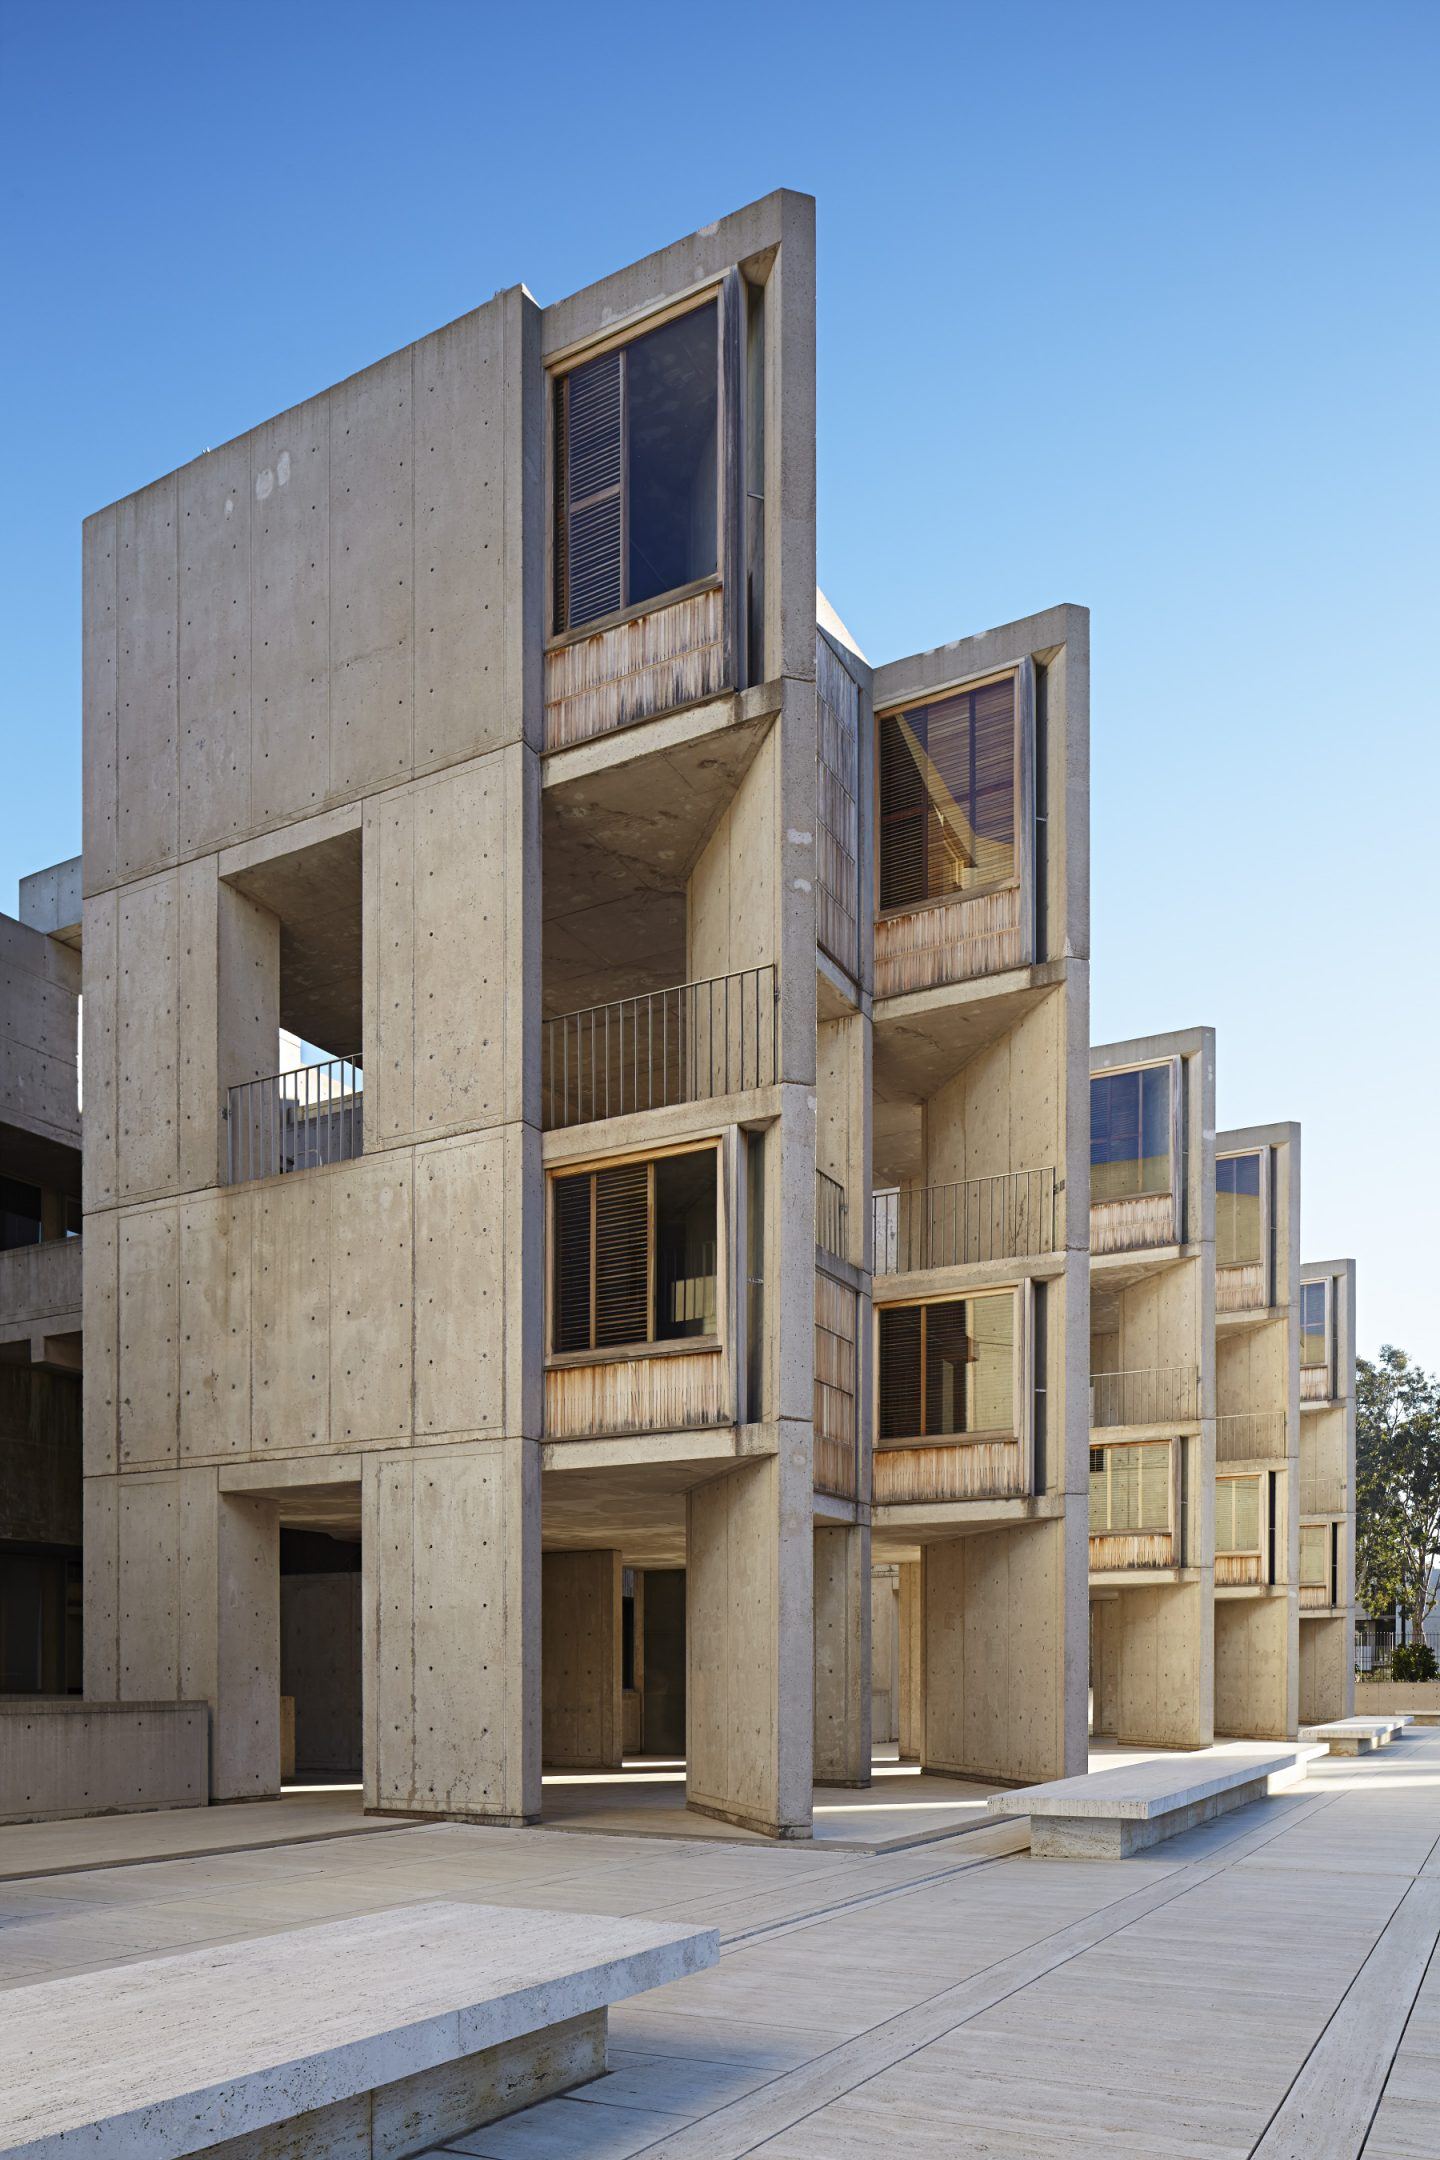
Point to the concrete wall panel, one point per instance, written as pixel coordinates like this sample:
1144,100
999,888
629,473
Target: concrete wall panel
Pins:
147,959
100,1261
372,569
290,1308
214,648
461,1274
99,614
215,1312
994,1654
148,1576
370,1307
146,679
288,495
148,1337
581,1698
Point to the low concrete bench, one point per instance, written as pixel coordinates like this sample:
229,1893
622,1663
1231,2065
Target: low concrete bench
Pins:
372,2037
1357,1735
1113,1813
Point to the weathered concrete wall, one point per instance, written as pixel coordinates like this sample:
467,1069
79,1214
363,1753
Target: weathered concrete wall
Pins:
1153,1673
1257,1680
581,1722
995,1695
843,1651
62,1757
39,1037
320,1669
1327,1675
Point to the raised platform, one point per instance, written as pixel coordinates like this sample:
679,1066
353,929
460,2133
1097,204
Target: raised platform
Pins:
370,2036
1113,1813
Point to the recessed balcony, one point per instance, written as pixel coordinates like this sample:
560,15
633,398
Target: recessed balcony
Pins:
1250,1436
297,1120
1010,1217
1153,1395
681,1045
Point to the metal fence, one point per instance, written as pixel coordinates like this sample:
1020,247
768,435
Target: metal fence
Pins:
670,1046
831,1211
1153,1395
295,1120
992,1218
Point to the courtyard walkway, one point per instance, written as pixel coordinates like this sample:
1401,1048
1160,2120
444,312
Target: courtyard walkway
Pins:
1267,1985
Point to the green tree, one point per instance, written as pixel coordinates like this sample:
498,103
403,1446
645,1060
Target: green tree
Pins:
1397,1486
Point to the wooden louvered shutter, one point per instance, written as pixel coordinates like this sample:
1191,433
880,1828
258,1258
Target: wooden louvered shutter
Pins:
904,810
947,1357
570,1263
589,467
622,1255
900,1372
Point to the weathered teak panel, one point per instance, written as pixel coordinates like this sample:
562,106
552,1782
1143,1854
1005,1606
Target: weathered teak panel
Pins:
1240,1289
1315,1383
949,941
963,1470
1232,1569
1132,1225
836,1429
1137,1549
668,657
669,1393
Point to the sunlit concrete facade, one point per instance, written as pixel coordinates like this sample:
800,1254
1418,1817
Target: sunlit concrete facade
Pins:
1327,1490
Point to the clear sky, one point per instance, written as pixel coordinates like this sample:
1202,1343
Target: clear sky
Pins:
1134,305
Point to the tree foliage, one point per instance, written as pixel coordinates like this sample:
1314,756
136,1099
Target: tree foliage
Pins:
1397,1486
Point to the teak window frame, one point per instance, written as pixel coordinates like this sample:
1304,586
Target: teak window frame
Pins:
1262,1155
1018,1372
1014,674
1258,1479
1325,1363
557,376
675,1346
1174,1192
1172,1495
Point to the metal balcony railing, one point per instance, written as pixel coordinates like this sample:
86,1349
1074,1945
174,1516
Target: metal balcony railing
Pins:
295,1120
831,1212
699,1039
1154,1395
1011,1217
1250,1436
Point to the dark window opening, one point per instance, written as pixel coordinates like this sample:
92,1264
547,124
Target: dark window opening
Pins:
947,796
20,1214
1238,1218
947,1368
637,470
633,1256
1130,1133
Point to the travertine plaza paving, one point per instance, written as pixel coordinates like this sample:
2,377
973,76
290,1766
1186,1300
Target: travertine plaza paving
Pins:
1266,1985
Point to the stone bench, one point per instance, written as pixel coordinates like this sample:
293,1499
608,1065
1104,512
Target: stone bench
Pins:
377,2036
1357,1735
1114,1813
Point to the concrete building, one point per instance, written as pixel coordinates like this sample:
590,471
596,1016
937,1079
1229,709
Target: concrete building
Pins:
1257,1432
500,969
40,1504
1153,1389
1327,1490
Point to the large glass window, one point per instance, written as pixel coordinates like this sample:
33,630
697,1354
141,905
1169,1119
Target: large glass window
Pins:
1130,1133
1314,1323
947,1368
947,796
1239,1227
637,470
1129,1488
1237,1515
633,1254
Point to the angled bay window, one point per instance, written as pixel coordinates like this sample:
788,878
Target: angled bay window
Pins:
1237,1515
1239,1211
1130,1488
1316,1542
633,1255
637,471
948,1369
1130,1133
947,786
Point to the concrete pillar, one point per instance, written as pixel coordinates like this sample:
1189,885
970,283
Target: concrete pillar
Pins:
581,1721
1327,1671
451,1561
1154,1678
1257,1661
911,1662
842,1654
749,1707
994,1679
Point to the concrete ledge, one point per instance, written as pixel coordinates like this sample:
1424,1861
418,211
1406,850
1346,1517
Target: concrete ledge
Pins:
373,2037
1357,1735
62,1757
1114,1813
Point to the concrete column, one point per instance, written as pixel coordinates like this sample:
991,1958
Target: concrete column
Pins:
1257,1667
911,1662
1327,1671
994,1683
581,1721
1155,1684
749,1705
451,1562
842,1654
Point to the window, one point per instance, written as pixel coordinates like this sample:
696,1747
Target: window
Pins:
1130,1133
633,1254
1315,1556
1237,1515
1239,1223
19,1213
947,796
1314,1323
947,1368
1129,1488
637,470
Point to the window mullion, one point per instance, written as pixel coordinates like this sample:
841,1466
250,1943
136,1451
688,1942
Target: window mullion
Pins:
594,1212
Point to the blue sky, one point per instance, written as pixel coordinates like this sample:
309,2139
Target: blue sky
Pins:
1122,304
